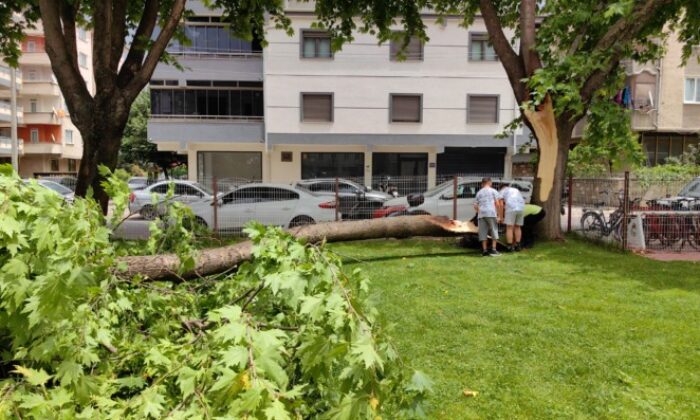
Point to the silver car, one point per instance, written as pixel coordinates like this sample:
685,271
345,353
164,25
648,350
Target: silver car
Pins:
187,192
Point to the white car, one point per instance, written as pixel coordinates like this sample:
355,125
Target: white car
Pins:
269,204
59,189
186,192
439,200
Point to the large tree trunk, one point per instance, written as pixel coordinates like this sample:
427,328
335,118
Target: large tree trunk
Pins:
553,137
217,260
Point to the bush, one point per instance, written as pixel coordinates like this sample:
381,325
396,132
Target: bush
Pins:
288,335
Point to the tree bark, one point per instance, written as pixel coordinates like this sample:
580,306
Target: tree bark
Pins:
217,260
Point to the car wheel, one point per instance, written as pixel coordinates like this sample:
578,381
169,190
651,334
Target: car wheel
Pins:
148,212
301,221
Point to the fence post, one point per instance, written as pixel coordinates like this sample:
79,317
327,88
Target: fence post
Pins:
625,209
215,205
337,199
569,203
454,198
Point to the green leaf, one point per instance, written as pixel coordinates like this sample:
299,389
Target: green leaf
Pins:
276,411
420,382
33,376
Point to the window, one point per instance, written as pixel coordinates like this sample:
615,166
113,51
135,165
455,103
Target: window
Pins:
82,34
692,90
34,135
412,52
482,109
72,165
82,60
229,166
31,75
317,107
54,165
69,137
212,39
406,108
480,49
316,44
323,165
31,46
208,102
660,146
33,105
160,189
188,190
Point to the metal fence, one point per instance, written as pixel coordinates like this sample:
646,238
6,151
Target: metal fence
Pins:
636,213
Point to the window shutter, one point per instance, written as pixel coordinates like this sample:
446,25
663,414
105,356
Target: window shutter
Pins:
405,108
317,107
413,51
482,109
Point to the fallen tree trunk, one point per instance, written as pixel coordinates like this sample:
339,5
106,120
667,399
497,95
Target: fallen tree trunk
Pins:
217,260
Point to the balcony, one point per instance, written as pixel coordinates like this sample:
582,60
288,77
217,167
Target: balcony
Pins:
6,113
34,59
46,87
43,148
6,78
49,117
643,119
210,130
6,146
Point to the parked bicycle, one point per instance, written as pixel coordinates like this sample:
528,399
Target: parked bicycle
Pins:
594,223
670,226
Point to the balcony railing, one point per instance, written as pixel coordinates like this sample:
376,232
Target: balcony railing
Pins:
6,112
6,145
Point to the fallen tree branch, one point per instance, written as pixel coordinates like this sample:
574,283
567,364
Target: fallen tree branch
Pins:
217,260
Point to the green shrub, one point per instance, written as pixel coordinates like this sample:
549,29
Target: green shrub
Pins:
289,335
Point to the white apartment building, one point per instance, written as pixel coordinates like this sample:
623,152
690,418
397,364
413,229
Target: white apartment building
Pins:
294,110
51,144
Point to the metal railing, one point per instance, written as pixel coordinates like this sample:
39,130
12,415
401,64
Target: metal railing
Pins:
636,213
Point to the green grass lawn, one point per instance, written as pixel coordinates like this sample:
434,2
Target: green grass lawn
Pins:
566,330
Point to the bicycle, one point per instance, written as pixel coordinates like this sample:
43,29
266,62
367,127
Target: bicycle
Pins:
594,223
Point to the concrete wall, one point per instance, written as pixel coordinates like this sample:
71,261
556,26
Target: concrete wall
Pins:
361,76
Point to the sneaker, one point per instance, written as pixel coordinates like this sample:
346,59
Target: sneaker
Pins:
485,253
494,253
517,247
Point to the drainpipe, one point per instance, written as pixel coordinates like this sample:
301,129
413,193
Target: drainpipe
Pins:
657,105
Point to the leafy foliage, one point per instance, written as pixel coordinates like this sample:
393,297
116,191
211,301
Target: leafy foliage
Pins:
289,335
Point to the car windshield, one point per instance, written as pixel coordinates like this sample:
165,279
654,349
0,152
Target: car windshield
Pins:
203,188
56,187
437,189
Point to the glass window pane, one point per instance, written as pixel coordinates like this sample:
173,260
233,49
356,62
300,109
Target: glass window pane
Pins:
662,150
155,101
212,102
236,102
178,102
490,53
321,165
324,47
190,102
166,102
309,47
245,47
229,165
246,102
689,90
201,102
697,90
476,52
224,103
199,40
212,38
258,106
234,44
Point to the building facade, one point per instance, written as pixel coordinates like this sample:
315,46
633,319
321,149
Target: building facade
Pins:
665,99
295,110
51,144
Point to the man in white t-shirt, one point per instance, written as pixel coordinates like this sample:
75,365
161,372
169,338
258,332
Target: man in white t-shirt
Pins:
487,204
514,206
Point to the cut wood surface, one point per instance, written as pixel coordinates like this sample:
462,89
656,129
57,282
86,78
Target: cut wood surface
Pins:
217,260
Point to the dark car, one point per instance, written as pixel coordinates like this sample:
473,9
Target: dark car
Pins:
356,201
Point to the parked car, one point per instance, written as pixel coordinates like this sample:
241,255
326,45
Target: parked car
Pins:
59,189
67,181
687,199
270,204
356,201
137,182
187,192
439,200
